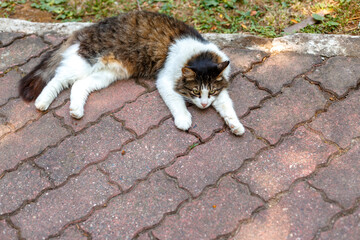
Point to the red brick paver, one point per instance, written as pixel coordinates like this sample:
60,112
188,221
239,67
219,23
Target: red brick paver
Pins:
158,148
126,215
205,122
281,69
145,112
92,145
275,169
14,120
297,216
9,86
6,232
195,170
6,37
338,81
30,141
215,213
341,179
23,184
243,59
21,50
56,208
345,228
279,115
71,233
341,122
244,95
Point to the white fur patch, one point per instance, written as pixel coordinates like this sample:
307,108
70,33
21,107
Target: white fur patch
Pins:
85,78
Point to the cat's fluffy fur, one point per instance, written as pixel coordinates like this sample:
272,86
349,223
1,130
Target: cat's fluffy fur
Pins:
136,44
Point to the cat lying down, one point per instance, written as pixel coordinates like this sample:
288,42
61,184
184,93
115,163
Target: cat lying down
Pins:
136,44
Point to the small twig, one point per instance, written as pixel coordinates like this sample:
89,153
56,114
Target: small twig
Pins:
351,29
354,18
138,3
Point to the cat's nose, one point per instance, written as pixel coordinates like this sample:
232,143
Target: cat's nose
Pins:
204,104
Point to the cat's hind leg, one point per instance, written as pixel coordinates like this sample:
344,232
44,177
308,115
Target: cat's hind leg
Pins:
71,68
83,87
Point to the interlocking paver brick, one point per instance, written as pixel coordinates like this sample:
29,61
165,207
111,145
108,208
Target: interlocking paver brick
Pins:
30,141
275,169
279,115
13,119
144,236
245,95
100,102
281,69
217,212
76,152
3,126
159,147
297,216
20,51
331,78
345,228
27,67
7,37
60,99
56,208
341,122
54,39
23,184
71,233
142,207
6,232
241,60
9,86
341,179
145,112
206,163
205,122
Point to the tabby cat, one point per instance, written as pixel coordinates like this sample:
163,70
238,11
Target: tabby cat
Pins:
136,44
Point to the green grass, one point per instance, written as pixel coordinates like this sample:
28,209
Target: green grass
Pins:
261,17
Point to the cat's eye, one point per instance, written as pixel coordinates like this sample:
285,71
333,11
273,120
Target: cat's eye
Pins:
213,91
195,91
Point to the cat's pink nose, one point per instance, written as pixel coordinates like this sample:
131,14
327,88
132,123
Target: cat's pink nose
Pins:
204,104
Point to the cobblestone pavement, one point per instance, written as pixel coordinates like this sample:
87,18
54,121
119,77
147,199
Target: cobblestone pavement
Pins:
125,172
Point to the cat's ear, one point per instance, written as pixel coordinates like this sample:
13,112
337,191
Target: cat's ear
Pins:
221,66
188,72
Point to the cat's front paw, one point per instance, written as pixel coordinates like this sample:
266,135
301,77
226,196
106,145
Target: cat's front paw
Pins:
183,121
41,104
235,126
76,112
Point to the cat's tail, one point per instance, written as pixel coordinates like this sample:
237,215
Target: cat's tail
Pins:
34,82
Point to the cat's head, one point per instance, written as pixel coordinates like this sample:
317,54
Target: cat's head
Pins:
202,81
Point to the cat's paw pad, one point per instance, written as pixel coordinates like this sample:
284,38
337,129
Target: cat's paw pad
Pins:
41,105
235,126
183,122
76,112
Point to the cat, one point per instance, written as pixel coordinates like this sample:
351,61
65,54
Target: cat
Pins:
136,44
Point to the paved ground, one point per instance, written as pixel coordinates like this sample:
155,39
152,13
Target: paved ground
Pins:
125,172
